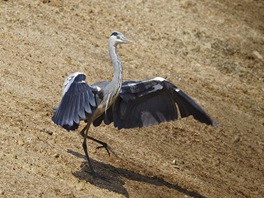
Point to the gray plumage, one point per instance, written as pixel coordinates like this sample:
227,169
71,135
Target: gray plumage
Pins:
150,102
128,105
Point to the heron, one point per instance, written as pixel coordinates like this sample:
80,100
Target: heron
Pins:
129,104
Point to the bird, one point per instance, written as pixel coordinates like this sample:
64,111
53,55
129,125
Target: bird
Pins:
130,104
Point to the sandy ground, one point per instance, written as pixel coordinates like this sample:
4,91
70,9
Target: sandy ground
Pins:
212,50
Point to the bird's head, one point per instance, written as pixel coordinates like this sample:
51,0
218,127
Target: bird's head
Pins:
118,38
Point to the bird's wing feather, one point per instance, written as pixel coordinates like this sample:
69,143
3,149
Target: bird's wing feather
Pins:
187,106
149,102
78,102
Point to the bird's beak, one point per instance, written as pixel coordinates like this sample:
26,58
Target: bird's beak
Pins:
126,40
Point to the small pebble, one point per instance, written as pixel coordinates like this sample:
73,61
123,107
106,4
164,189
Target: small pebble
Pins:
257,55
48,131
237,139
57,155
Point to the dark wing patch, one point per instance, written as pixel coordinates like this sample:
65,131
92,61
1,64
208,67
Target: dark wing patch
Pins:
188,106
77,104
144,110
150,102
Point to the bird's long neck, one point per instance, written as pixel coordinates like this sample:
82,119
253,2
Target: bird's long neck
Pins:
113,88
117,78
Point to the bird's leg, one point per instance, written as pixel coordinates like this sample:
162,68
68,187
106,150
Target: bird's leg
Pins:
104,145
86,128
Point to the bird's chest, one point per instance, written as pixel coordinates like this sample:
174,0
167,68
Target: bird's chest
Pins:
105,104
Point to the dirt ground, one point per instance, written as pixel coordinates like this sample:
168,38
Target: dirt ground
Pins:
212,50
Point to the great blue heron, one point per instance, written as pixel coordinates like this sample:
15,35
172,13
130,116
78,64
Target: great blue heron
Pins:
128,105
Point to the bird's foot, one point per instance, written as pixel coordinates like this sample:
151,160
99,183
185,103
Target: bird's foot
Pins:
104,145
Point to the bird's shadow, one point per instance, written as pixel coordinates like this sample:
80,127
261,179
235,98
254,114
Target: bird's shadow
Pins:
111,178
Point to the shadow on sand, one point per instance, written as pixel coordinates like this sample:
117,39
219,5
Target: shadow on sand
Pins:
112,178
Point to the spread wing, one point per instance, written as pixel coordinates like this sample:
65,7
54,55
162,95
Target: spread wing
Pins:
78,102
150,102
